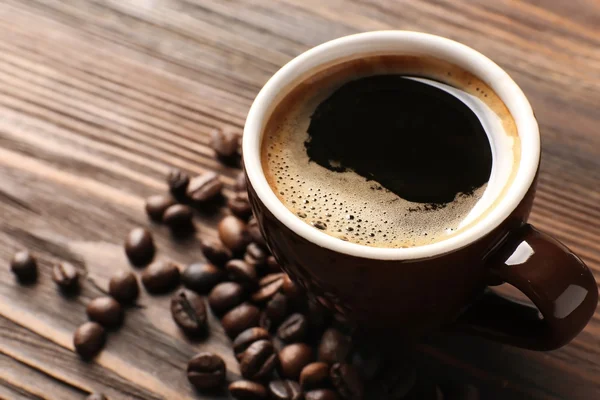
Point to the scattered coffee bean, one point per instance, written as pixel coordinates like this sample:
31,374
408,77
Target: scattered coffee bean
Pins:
293,329
178,182
178,217
314,376
240,182
285,390
242,273
157,205
106,311
234,233
161,276
123,286
65,275
96,396
292,290
240,205
206,371
334,347
205,187
201,277
246,338
273,265
226,296
248,390
139,247
215,251
322,394
89,339
256,256
224,142
267,288
259,360
293,358
368,362
347,381
240,318
254,232
265,322
189,312
24,266
277,308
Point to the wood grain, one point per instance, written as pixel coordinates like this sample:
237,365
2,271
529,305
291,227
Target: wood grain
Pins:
100,98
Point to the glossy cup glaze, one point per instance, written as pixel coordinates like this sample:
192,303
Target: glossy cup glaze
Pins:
410,291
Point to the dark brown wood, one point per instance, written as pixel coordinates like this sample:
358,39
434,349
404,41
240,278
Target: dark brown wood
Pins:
100,98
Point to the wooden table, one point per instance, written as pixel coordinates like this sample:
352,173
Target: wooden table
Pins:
99,98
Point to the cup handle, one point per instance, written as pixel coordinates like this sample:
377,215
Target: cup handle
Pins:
557,281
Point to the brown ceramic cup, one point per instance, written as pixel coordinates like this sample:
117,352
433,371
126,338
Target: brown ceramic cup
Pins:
411,291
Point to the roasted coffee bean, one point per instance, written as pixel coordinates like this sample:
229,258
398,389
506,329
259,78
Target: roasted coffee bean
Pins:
157,205
265,322
277,308
178,182
123,286
224,142
246,338
347,381
293,358
240,182
89,339
248,390
189,312
106,311
293,329
226,296
205,187
215,251
201,277
240,318
139,247
267,288
368,362
161,276
65,275
243,273
322,394
334,347
259,360
206,371
96,396
293,292
240,205
234,233
24,266
273,265
318,318
285,390
178,217
256,256
254,232
314,376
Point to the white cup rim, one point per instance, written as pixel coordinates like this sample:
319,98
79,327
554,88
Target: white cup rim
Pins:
381,42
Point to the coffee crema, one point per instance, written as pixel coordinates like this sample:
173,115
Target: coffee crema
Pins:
384,152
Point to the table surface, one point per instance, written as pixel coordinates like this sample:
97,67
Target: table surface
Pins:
99,99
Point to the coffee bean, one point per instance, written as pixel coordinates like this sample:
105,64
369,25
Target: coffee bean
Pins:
277,308
322,394
201,277
293,329
259,360
293,358
256,256
224,142
205,187
89,339
96,396
157,205
161,276
215,251
347,381
189,312
178,182
206,371
246,338
242,273
24,266
106,311
334,347
123,286
226,296
273,265
240,205
315,375
240,318
234,233
248,390
178,217
265,322
285,390
240,182
65,275
368,362
255,233
292,290
267,288
139,247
